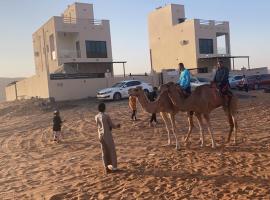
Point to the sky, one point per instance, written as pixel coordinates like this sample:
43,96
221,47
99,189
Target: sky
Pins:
249,28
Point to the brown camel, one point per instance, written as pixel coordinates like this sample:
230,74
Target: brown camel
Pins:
202,101
162,105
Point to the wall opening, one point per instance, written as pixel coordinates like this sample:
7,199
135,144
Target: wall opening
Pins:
221,44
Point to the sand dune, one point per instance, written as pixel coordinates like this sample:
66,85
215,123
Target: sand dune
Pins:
34,167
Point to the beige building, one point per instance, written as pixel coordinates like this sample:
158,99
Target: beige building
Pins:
73,57
74,43
196,43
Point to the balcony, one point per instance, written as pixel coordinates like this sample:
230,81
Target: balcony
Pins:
74,24
222,26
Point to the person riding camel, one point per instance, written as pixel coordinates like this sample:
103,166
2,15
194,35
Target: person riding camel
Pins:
184,79
221,80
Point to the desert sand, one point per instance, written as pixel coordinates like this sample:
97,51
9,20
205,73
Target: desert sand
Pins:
32,166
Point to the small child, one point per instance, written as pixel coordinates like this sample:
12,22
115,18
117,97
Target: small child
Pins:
57,123
133,106
105,126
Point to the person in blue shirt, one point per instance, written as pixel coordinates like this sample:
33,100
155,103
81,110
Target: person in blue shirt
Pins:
184,79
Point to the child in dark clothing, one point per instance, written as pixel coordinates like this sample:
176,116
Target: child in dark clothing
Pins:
57,123
152,97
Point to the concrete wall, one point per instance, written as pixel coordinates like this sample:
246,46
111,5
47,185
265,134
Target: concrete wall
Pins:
165,39
79,11
44,61
10,93
35,86
82,88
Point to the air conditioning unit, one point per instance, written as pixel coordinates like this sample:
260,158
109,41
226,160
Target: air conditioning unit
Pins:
184,42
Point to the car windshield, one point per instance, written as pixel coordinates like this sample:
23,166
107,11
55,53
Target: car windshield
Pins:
118,85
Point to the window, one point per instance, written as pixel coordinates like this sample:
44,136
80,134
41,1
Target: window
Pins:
133,83
96,49
206,46
52,47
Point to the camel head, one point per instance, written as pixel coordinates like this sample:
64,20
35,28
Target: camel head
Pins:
136,91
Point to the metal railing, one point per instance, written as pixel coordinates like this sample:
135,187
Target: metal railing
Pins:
211,22
70,20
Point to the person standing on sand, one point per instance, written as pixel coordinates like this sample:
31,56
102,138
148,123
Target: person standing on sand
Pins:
105,126
132,102
245,83
57,123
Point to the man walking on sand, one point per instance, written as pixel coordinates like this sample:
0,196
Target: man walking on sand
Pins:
105,126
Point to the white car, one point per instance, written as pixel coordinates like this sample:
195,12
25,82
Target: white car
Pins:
120,90
196,81
235,80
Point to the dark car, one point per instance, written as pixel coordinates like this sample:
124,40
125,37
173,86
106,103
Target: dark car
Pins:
264,81
256,82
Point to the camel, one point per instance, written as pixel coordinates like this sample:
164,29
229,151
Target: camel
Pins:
202,101
162,105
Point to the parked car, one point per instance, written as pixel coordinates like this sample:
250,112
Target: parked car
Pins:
256,82
120,90
196,81
234,80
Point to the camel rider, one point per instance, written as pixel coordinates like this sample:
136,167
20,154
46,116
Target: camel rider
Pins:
222,81
184,79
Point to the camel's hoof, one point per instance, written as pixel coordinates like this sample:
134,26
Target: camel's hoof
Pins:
202,145
177,148
213,146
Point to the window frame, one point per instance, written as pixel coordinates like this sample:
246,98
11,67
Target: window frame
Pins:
96,49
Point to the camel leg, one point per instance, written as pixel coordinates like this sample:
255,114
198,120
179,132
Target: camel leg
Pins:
200,122
166,121
230,119
172,119
207,118
191,125
235,128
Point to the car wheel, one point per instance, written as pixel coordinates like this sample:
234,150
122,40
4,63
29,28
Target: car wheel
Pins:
146,92
117,96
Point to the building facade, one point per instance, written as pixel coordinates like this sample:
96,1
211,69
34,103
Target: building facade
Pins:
196,43
74,43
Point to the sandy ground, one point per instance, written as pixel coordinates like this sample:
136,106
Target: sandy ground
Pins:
32,166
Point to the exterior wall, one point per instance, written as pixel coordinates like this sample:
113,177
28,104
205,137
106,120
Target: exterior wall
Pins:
36,86
71,89
79,11
44,60
10,93
166,39
172,42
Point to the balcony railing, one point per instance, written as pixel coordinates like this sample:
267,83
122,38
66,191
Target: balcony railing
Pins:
68,54
70,20
211,22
